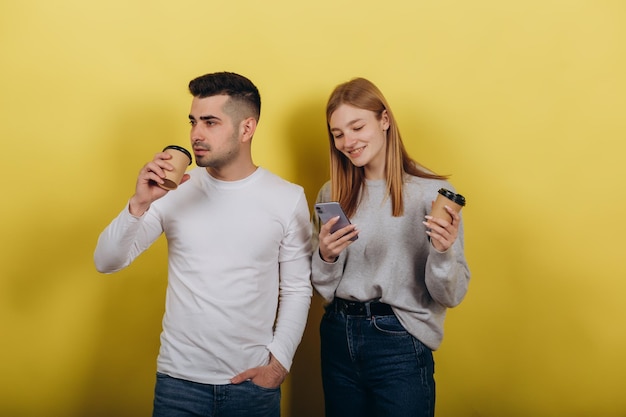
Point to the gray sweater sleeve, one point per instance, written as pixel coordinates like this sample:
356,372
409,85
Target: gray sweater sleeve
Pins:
447,273
327,275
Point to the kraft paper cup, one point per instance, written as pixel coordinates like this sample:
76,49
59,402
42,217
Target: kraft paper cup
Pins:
181,159
447,198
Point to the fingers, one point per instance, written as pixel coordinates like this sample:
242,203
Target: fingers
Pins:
185,178
263,376
455,216
442,232
155,169
348,232
333,243
244,376
441,227
146,188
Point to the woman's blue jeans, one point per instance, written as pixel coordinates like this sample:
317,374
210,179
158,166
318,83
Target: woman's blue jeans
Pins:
371,367
180,398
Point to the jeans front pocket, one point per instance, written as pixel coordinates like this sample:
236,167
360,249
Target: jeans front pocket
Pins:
389,324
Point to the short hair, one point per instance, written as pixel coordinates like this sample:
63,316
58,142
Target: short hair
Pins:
240,90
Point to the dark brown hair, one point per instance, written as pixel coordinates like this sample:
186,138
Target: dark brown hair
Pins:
240,90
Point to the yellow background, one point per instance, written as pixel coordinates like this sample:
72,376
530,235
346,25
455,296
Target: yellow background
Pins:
522,102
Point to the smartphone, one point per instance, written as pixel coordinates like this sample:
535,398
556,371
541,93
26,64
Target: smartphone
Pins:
327,211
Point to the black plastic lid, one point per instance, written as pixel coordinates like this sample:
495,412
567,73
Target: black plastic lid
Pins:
180,148
457,198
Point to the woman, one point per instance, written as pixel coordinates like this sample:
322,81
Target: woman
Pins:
388,290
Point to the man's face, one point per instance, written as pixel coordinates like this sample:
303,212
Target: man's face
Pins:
215,138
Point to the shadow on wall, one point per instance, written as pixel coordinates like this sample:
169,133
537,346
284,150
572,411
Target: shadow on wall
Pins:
307,127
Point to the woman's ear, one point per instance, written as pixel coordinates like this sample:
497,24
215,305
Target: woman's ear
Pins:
384,120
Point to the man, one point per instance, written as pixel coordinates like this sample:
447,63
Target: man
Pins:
239,251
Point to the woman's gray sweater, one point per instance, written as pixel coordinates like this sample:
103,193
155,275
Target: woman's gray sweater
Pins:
393,260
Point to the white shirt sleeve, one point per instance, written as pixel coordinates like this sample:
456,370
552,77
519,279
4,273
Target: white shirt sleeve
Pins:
125,238
295,289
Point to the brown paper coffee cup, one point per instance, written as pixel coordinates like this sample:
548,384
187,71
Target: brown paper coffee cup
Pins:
181,159
447,198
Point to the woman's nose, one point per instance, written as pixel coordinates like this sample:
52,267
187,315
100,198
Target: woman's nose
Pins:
350,141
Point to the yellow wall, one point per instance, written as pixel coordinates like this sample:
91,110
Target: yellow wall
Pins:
522,101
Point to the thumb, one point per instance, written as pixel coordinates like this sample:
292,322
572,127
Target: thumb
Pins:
244,376
185,178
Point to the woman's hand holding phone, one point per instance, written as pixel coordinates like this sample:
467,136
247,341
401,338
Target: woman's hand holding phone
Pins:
332,244
337,233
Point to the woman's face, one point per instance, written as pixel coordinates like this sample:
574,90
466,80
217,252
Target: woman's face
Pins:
361,137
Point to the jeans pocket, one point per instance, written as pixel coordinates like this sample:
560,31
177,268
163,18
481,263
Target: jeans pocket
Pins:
389,325
262,388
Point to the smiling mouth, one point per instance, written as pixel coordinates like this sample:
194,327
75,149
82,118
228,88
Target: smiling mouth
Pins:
356,151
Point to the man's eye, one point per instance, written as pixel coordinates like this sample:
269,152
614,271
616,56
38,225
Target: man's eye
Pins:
192,122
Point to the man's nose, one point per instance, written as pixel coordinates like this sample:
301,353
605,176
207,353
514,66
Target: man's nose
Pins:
195,135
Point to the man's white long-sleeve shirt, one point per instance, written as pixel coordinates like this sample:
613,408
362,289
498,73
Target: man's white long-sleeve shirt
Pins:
239,271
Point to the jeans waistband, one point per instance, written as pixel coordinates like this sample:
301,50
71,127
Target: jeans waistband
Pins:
356,308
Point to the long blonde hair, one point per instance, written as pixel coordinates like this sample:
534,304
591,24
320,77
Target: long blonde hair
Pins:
347,180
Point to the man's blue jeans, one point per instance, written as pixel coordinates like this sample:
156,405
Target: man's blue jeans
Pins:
180,398
371,366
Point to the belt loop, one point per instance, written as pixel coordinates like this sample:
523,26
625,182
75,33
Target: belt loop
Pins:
368,309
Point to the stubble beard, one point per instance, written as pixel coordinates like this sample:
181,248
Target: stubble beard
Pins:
222,159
